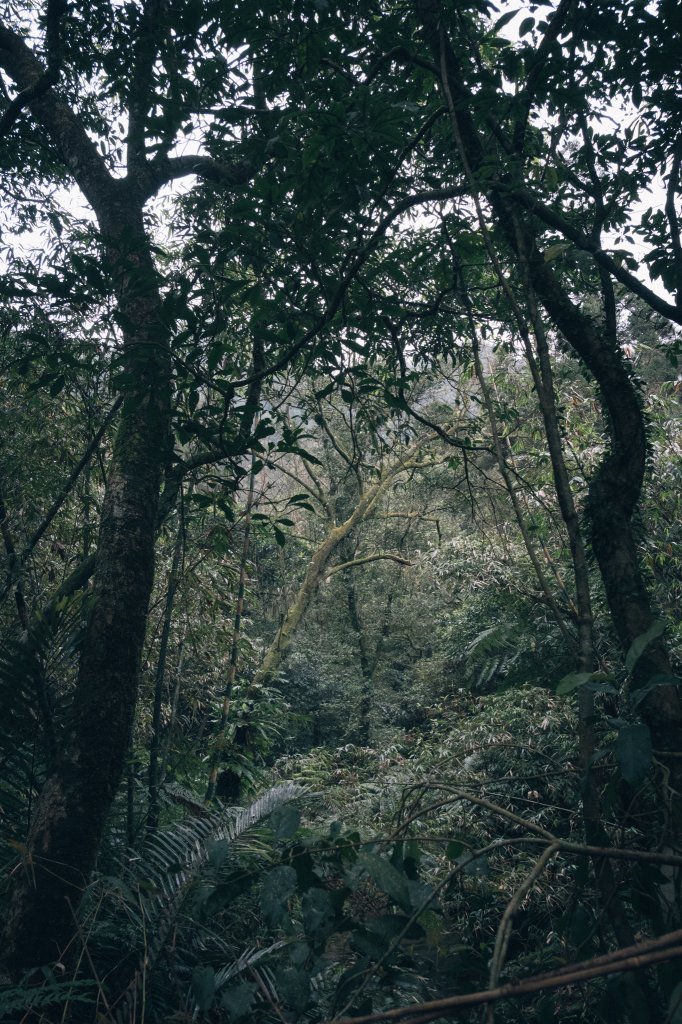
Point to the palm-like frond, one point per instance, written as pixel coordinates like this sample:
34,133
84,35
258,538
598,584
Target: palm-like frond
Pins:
490,654
169,867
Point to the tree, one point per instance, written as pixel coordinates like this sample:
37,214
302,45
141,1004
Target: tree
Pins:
164,57
287,255
161,77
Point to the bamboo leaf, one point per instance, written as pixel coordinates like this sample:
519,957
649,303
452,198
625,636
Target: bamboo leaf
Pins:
572,681
203,987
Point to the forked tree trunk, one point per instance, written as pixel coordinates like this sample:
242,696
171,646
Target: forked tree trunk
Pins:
72,809
614,492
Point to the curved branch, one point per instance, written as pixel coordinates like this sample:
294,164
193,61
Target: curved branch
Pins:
585,242
379,556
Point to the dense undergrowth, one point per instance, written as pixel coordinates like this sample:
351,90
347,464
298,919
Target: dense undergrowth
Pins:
379,879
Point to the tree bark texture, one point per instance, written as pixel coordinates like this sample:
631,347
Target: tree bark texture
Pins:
72,810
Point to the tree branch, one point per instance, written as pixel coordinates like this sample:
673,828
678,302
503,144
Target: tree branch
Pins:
20,560
368,558
147,42
585,242
539,62
362,254
73,477
505,927
48,78
630,958
165,169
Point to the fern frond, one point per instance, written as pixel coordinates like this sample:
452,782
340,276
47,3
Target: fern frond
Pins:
244,962
172,862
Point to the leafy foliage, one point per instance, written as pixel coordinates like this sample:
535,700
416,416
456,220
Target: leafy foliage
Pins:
399,287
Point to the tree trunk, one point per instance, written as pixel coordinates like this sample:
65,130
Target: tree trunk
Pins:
616,486
318,565
72,810
366,663
614,492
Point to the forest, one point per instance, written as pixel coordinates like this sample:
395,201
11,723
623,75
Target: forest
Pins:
340,511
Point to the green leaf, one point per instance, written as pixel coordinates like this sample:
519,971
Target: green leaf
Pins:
572,681
387,878
238,1000
421,894
552,252
284,821
293,986
526,26
623,1001
675,1006
280,536
203,987
318,913
504,20
660,679
545,1011
633,752
580,923
477,866
217,851
57,385
640,644
454,849
279,886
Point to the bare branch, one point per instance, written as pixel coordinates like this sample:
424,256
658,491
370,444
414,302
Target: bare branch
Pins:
505,926
587,244
20,560
166,169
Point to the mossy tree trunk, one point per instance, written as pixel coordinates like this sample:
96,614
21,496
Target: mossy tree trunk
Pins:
318,567
71,813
